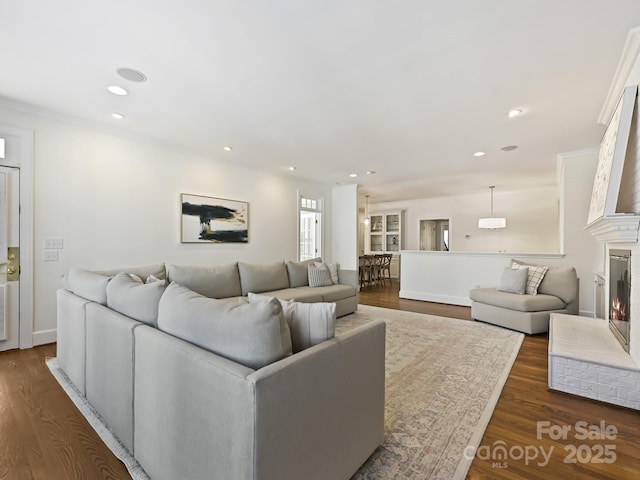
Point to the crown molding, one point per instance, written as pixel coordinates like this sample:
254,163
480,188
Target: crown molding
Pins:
629,63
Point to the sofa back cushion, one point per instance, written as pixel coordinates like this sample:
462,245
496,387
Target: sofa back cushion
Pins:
216,281
252,334
134,299
309,323
561,282
263,277
299,272
157,270
89,285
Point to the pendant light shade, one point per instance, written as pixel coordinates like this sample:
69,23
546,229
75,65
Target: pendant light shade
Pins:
492,222
366,211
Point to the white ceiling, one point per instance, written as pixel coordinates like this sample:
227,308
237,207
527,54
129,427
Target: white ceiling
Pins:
407,88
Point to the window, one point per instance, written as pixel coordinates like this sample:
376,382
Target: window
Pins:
310,234
1,147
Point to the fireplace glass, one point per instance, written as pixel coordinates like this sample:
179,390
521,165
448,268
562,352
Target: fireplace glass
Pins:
620,295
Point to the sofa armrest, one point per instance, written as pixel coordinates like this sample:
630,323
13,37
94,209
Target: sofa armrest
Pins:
71,314
320,413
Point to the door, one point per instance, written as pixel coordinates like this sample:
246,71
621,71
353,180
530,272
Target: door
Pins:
9,258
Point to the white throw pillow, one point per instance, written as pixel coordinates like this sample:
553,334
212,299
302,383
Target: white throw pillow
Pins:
333,270
319,277
310,323
127,295
252,334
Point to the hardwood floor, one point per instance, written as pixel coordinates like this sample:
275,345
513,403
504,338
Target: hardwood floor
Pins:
525,401
43,436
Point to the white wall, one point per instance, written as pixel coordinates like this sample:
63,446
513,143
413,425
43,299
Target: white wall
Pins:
576,171
116,202
532,220
345,226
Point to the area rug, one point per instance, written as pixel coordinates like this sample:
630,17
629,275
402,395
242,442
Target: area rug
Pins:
443,379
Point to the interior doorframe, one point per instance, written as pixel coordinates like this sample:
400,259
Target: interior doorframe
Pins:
24,161
431,218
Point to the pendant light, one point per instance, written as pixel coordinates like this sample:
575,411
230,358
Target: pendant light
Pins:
366,211
492,222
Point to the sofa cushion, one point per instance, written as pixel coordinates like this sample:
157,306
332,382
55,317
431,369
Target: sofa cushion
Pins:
309,323
300,294
252,334
298,272
521,303
215,281
135,299
319,276
559,281
262,277
89,285
514,280
534,276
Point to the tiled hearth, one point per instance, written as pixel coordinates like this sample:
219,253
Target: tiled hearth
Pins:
586,359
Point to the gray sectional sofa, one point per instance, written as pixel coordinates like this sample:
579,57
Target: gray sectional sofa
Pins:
558,292
258,390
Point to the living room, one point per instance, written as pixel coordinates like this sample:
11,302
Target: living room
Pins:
111,192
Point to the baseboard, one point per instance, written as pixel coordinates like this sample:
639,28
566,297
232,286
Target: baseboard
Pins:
42,337
432,297
587,313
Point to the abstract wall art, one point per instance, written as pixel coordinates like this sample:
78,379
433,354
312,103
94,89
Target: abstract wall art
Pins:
213,220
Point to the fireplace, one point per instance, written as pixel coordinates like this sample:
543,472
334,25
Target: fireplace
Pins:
620,295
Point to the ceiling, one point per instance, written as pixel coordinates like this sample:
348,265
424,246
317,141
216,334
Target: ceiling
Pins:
409,89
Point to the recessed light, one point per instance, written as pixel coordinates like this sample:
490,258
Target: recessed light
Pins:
117,90
119,116
353,175
509,148
478,154
227,149
515,112
371,172
292,169
131,75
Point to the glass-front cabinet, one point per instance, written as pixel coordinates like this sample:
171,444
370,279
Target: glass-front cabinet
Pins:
385,232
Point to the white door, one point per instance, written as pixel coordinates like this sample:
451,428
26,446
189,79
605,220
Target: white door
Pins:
9,258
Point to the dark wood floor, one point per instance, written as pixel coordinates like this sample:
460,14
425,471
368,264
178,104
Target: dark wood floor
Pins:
43,435
524,402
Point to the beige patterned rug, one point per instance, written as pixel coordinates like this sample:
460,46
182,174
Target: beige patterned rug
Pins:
443,379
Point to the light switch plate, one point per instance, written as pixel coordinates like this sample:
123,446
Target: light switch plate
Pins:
53,243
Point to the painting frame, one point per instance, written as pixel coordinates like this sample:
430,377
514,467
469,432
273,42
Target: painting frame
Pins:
207,220
613,148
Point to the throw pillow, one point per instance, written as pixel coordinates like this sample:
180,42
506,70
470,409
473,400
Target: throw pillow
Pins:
319,277
298,272
333,270
534,276
89,285
252,334
309,323
514,280
127,295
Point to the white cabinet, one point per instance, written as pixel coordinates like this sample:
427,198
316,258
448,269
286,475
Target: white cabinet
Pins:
385,232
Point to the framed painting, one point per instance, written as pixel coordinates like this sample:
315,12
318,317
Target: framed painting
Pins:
613,148
213,220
